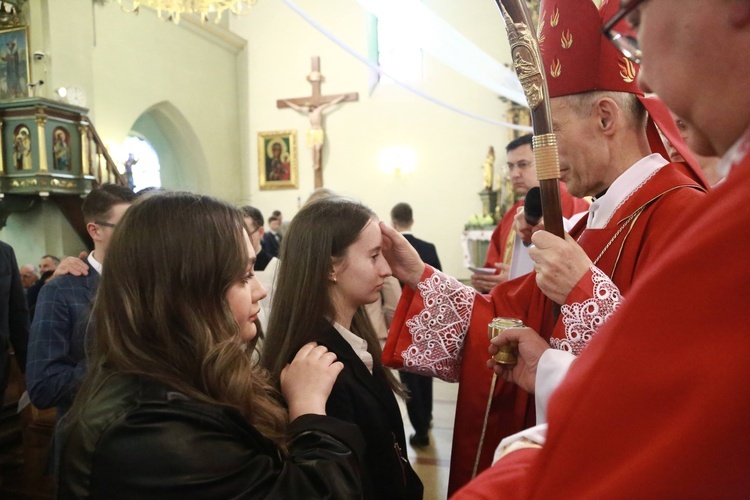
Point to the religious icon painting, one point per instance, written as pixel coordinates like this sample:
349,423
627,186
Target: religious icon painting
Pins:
61,149
277,160
14,63
22,148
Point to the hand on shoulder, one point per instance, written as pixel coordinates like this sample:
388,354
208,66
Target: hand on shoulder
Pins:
73,266
307,381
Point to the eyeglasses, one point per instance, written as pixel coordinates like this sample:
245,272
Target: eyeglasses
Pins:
255,230
626,44
105,224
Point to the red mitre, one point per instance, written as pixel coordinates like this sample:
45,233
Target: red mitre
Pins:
578,57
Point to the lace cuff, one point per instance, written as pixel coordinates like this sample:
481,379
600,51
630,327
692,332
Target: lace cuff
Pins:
439,330
583,318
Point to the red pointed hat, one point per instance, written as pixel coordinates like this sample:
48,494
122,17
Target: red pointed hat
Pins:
577,56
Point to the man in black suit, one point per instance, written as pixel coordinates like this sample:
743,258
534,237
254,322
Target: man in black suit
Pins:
14,316
272,239
419,405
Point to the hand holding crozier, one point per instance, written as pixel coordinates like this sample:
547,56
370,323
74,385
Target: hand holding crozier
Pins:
529,348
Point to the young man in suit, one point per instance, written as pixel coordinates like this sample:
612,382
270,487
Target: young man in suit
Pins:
419,405
56,358
272,238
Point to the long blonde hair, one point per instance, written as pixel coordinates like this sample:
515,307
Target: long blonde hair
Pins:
161,310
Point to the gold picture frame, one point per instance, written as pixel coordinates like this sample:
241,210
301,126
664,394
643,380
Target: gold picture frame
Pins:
277,160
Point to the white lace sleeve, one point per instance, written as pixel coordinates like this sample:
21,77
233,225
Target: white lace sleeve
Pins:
583,319
439,331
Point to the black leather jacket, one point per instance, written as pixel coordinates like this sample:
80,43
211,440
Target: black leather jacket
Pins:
139,439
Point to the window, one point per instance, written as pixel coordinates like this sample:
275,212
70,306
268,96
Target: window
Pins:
399,52
137,160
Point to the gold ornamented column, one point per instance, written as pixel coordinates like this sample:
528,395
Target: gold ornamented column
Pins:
2,156
85,159
40,121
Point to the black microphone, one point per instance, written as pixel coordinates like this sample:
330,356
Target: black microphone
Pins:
532,206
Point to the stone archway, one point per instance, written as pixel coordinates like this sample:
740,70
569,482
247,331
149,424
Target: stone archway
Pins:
182,161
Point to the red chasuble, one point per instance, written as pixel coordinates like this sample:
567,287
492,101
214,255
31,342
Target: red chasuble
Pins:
429,331
658,404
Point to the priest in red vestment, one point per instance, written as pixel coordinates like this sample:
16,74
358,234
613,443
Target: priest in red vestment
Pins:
609,149
522,170
657,404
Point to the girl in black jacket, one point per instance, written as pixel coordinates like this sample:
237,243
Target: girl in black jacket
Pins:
173,405
331,266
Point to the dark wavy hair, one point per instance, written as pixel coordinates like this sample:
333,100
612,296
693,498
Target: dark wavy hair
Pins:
318,236
161,309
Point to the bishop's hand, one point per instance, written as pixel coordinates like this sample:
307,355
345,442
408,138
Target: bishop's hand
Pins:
559,264
530,348
404,260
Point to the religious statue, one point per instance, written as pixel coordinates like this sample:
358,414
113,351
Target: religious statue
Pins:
129,163
504,187
488,169
315,135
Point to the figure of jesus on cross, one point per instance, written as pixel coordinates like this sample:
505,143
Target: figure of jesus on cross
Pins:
314,106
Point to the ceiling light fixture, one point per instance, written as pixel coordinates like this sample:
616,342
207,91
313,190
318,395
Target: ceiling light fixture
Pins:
173,9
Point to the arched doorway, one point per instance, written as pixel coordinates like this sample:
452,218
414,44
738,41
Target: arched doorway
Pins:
181,160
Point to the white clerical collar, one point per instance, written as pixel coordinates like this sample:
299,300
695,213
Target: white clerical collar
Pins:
359,345
95,263
631,180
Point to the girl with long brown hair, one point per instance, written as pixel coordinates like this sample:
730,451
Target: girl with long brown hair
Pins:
330,267
173,404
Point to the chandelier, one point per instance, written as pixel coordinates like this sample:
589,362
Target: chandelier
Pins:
11,15
173,9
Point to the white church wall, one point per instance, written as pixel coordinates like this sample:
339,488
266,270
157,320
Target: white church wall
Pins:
126,65
139,61
450,148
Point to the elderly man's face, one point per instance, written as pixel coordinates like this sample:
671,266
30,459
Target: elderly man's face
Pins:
584,166
28,276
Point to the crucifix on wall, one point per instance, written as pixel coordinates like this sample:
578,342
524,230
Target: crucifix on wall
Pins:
314,106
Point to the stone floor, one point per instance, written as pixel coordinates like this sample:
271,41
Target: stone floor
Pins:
432,463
